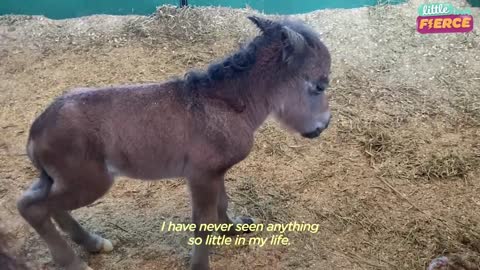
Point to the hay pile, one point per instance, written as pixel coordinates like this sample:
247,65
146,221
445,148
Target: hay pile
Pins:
393,183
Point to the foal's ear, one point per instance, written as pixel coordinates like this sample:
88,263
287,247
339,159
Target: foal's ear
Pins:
262,24
294,45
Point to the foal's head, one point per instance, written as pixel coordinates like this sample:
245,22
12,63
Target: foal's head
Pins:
303,103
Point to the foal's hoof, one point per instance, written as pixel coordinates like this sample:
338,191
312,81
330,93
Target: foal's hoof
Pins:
107,246
244,220
100,245
247,220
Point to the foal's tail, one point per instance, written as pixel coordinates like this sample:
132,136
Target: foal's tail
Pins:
37,192
40,189
31,153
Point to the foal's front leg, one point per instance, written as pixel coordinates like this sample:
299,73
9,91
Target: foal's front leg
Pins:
204,191
222,212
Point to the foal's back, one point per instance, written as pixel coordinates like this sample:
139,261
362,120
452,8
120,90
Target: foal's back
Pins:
125,128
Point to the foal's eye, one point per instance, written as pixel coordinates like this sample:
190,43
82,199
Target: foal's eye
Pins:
319,88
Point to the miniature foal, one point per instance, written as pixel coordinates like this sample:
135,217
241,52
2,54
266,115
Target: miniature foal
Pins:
197,127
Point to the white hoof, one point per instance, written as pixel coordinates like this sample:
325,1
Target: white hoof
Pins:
88,268
107,246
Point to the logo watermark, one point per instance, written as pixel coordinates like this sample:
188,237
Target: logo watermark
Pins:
443,18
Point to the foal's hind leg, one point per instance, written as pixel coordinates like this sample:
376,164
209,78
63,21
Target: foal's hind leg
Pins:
73,187
91,242
33,208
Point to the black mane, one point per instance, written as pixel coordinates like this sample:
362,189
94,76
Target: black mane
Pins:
228,68
243,60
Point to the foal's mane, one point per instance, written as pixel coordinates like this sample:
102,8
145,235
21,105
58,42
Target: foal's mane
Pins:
243,60
228,68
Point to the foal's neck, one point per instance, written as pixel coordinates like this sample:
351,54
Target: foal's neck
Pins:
261,92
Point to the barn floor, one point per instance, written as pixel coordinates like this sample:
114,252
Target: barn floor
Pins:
393,184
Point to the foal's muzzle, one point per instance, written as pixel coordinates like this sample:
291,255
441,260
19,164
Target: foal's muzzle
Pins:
317,131
313,134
